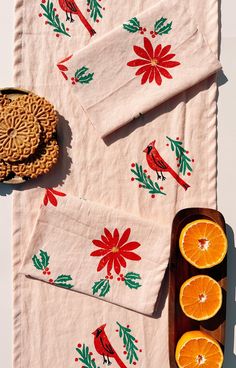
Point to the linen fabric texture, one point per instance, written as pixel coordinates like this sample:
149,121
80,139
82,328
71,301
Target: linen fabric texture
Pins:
95,174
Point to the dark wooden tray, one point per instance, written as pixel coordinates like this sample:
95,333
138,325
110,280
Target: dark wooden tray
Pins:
180,270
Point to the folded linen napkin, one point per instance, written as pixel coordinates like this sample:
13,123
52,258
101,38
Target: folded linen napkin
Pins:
99,251
141,64
56,320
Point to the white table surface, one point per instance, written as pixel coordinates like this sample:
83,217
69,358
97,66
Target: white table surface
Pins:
226,175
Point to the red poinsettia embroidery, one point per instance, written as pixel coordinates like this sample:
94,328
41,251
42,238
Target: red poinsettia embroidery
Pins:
114,250
63,68
153,63
50,196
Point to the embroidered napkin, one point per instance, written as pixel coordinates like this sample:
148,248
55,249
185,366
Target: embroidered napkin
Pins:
61,325
125,260
141,64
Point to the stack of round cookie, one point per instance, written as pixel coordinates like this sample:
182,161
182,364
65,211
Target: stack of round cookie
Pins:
28,145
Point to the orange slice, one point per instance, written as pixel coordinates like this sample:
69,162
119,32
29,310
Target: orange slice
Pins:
200,297
197,349
203,243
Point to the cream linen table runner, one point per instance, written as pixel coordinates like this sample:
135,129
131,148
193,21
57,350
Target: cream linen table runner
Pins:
107,190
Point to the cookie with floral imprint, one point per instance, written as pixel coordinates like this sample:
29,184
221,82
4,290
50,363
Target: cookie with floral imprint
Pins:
28,135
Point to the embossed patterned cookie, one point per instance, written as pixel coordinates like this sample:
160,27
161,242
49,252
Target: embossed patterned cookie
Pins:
4,101
4,170
39,163
19,134
42,110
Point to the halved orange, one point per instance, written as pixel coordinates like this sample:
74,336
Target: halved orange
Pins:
203,243
197,349
200,297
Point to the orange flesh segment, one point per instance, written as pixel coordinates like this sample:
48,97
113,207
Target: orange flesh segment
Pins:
200,297
198,350
200,353
203,243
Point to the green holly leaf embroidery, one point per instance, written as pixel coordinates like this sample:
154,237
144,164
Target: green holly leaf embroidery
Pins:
37,263
82,77
130,278
53,18
147,183
129,342
44,258
132,25
86,358
42,263
103,286
161,28
62,280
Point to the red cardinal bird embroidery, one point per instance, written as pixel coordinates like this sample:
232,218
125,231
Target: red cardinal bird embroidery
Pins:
156,163
104,347
70,7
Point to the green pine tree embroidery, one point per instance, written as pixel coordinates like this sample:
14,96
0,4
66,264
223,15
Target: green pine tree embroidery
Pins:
161,28
41,263
146,182
181,155
94,9
86,357
131,280
102,287
53,18
82,77
132,26
62,281
129,341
